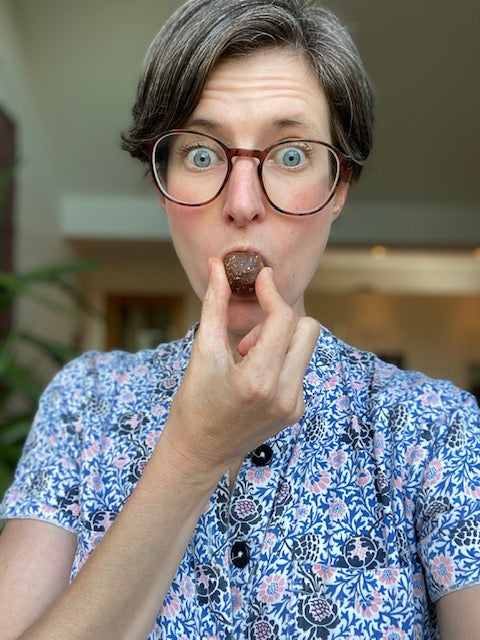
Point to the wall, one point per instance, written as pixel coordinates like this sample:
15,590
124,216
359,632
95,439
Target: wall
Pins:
37,239
439,335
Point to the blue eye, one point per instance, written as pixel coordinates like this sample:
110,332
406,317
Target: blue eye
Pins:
291,157
201,158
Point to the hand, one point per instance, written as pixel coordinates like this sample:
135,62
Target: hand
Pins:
225,408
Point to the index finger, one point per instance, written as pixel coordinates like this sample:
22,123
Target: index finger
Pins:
276,332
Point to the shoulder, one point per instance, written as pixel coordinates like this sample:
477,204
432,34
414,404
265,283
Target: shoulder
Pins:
102,369
374,386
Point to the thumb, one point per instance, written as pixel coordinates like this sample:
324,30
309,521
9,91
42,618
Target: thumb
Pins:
214,313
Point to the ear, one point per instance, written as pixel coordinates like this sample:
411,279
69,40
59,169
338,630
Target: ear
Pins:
340,197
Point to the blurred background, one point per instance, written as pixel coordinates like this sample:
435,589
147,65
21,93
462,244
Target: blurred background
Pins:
402,273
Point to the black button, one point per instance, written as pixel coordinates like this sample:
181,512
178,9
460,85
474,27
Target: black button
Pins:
262,455
240,554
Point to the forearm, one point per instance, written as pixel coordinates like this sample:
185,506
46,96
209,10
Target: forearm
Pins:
121,588
459,614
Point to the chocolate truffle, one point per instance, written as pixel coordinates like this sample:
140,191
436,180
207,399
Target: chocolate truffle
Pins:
242,269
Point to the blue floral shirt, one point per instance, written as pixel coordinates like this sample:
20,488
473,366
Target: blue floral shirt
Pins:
348,525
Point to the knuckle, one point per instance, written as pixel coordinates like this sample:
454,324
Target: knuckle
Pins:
260,390
291,407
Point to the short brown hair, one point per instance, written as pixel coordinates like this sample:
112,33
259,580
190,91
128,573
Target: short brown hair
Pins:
203,32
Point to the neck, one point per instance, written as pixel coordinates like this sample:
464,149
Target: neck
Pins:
235,337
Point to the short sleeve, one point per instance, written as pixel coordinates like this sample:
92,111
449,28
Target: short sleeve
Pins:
448,505
46,483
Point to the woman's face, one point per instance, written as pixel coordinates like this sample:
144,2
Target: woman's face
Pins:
255,102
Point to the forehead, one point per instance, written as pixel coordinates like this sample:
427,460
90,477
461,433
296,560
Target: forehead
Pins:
264,89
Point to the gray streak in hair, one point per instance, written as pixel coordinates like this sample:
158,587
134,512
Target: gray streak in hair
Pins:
203,32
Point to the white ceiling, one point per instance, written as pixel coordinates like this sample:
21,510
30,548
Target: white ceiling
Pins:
422,185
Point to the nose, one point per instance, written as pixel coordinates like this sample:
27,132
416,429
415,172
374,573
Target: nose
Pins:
244,199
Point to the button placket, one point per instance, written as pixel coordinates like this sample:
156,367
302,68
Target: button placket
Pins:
262,455
240,554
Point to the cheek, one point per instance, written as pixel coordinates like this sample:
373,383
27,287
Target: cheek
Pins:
308,248
189,245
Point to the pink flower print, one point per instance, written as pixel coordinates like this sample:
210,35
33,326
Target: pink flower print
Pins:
388,575
473,492
318,482
46,509
158,410
67,462
337,509
269,540
105,443
337,459
312,378
187,587
94,481
343,403
369,604
152,439
121,378
397,482
414,454
125,397
418,584
259,475
358,384
326,573
171,605
102,358
121,460
433,472
74,510
443,570
409,507
394,633
14,495
331,383
90,451
140,371
430,399
272,588
363,477
237,600
355,425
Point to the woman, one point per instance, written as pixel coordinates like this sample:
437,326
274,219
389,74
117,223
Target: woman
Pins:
258,479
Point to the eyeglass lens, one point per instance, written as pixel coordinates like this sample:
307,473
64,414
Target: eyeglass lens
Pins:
298,176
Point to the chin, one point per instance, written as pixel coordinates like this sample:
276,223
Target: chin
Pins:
243,315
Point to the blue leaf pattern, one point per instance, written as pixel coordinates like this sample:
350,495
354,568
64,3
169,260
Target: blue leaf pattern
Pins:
366,514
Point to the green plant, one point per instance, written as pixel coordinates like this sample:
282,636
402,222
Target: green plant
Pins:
20,383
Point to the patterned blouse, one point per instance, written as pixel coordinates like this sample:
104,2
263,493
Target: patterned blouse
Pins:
347,525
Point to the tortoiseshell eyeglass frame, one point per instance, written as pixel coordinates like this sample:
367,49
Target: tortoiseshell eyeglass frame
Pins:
344,172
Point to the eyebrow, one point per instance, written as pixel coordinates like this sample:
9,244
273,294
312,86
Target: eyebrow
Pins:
211,125
280,123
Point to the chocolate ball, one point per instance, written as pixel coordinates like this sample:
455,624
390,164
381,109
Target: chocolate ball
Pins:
242,269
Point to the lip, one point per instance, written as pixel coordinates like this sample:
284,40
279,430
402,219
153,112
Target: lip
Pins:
247,250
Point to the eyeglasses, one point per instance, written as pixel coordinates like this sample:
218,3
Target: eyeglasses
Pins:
298,177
